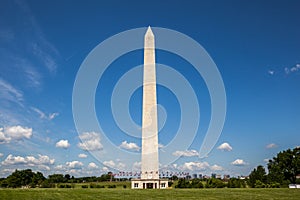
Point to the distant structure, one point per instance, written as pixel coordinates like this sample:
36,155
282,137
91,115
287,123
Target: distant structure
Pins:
149,167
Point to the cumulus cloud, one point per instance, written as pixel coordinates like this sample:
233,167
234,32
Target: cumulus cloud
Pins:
1,154
42,162
186,153
267,160
82,155
195,166
112,164
74,164
90,141
130,146
11,133
239,162
225,147
109,163
136,166
59,167
63,144
271,146
105,169
216,168
92,166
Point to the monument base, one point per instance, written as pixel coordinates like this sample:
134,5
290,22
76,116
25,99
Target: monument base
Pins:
149,183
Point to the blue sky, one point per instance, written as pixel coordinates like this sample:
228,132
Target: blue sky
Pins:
255,46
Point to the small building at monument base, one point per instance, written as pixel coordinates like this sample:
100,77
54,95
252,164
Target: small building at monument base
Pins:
149,183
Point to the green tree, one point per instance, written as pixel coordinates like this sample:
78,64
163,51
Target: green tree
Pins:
24,178
67,177
197,183
214,183
56,178
236,183
183,183
285,166
257,174
37,179
106,177
174,178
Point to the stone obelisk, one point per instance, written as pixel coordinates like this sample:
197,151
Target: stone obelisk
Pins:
149,166
149,122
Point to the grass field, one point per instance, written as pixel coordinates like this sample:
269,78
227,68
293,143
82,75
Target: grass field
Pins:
128,194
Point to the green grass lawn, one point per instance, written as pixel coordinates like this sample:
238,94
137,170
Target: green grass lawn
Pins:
129,194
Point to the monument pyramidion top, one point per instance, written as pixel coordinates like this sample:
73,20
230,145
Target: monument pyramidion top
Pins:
149,32
149,39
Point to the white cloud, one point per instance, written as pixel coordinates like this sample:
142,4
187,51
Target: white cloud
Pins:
287,70
195,166
43,115
52,115
121,166
14,160
225,147
10,93
38,111
63,144
186,153
293,69
34,78
239,162
82,155
1,154
112,164
59,167
92,166
216,168
90,141
28,160
74,164
271,72
130,146
47,59
136,166
40,46
10,133
109,163
266,160
105,169
271,146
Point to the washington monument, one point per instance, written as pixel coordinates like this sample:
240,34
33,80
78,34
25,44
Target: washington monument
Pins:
150,164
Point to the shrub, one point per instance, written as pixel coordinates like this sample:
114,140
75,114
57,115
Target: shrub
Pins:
112,186
46,184
84,186
93,185
259,184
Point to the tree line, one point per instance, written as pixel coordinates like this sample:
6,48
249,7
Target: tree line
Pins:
283,170
28,178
